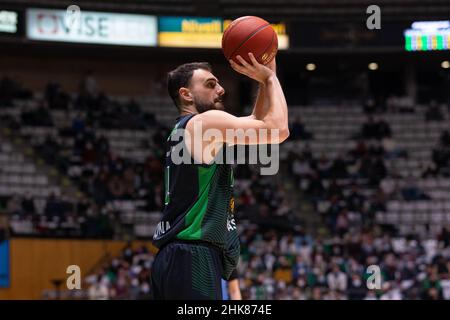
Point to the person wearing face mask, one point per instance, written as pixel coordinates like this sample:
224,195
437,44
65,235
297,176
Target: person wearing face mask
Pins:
355,288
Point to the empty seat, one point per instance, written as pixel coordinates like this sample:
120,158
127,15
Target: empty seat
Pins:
393,205
380,217
14,179
407,217
408,206
422,217
392,218
405,229
421,205
437,206
437,217
446,206
27,180
41,180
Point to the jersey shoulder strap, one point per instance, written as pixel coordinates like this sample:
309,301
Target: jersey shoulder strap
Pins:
183,120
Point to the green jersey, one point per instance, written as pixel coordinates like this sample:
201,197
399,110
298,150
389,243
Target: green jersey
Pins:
199,203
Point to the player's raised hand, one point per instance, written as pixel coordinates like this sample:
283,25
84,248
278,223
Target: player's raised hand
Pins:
272,65
255,70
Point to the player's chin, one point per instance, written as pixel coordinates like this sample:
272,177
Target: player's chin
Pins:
219,105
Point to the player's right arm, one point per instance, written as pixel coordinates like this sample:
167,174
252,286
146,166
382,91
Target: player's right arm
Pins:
262,102
237,130
271,128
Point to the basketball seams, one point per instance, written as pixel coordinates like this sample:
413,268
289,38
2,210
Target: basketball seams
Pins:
231,26
271,41
248,37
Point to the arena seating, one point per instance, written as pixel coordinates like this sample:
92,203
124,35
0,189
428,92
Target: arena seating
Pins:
337,131
395,215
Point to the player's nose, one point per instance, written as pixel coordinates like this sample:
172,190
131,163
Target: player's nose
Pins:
221,90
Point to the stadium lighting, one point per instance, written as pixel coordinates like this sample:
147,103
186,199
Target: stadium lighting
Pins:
373,66
310,67
445,64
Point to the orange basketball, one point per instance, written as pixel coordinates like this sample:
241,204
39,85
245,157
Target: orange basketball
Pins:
250,34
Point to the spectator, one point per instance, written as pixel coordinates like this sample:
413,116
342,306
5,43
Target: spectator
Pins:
391,149
383,130
28,205
89,84
98,290
434,112
369,129
298,130
336,279
355,200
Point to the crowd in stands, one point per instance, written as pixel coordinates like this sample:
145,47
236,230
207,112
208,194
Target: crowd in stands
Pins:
297,266
333,266
318,178
342,181
281,263
100,174
10,90
84,155
61,217
125,277
262,201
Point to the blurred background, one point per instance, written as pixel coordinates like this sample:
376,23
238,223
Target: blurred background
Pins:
364,176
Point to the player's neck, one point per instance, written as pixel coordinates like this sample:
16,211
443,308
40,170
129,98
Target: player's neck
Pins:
187,110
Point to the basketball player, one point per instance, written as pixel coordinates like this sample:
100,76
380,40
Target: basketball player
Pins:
197,237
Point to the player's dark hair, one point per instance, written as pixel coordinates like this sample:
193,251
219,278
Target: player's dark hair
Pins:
181,77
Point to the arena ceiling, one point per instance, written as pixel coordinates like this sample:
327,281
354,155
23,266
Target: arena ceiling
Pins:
305,10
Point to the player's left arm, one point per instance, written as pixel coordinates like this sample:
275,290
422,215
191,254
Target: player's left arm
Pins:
234,290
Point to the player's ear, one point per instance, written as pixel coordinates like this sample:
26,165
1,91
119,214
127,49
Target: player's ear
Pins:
185,94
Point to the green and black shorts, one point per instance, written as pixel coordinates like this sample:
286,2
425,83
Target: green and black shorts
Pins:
188,271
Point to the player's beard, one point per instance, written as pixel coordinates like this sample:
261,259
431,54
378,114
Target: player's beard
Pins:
206,106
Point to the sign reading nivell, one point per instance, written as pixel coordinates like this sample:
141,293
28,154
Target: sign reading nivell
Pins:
202,32
92,27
